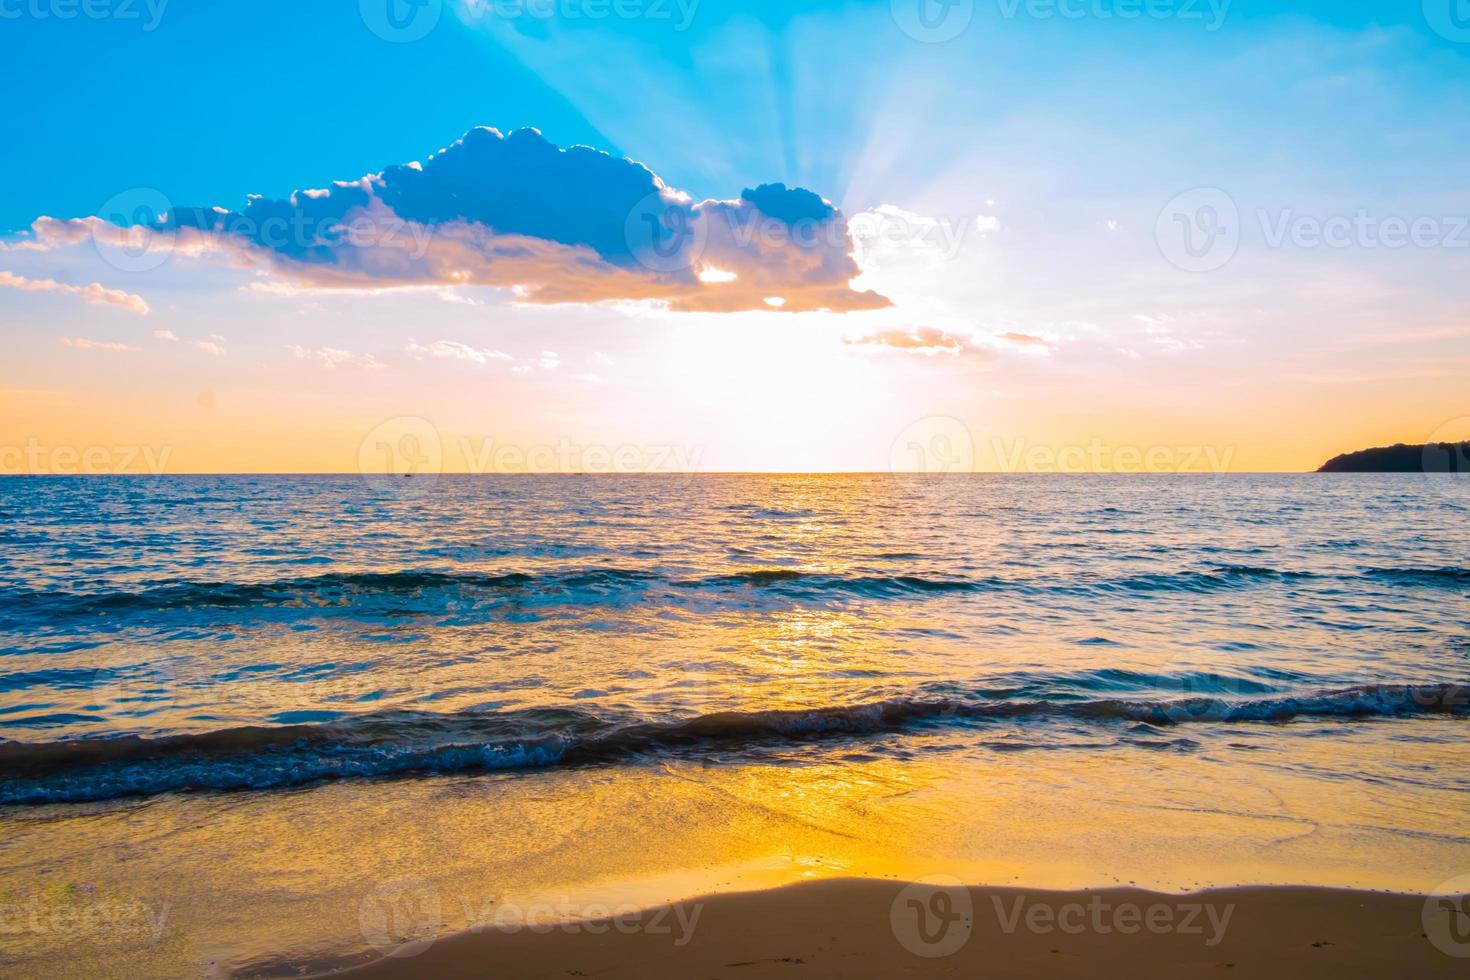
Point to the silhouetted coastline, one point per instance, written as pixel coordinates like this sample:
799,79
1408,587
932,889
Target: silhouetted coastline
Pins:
1436,457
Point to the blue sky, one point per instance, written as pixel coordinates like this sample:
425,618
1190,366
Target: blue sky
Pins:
1054,139
222,99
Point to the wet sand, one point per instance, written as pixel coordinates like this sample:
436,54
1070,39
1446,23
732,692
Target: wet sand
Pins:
883,929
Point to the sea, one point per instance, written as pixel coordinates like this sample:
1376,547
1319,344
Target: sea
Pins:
252,701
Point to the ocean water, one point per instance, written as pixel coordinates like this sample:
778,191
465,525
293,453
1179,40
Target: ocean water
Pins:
222,634
241,718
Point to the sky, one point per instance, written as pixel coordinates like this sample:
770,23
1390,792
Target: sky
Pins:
642,235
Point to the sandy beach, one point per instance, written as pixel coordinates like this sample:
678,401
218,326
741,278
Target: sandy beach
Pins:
866,928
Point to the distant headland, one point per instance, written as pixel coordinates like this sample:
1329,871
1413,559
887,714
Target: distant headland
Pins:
1436,457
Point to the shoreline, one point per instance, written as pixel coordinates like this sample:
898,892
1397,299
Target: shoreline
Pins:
868,927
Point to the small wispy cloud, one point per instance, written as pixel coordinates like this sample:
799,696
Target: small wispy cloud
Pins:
93,293
334,357
455,350
83,343
929,341
214,346
1024,339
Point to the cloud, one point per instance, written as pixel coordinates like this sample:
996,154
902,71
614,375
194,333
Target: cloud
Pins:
455,350
572,225
332,358
209,347
84,344
1024,339
168,335
94,293
916,340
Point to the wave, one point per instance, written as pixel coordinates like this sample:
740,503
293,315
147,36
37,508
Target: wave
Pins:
301,590
336,589
338,585
400,743
1448,577
344,588
868,585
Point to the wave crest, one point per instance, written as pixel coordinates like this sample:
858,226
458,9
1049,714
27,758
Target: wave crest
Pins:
398,743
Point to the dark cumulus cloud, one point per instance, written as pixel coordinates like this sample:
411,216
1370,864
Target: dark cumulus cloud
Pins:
559,225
